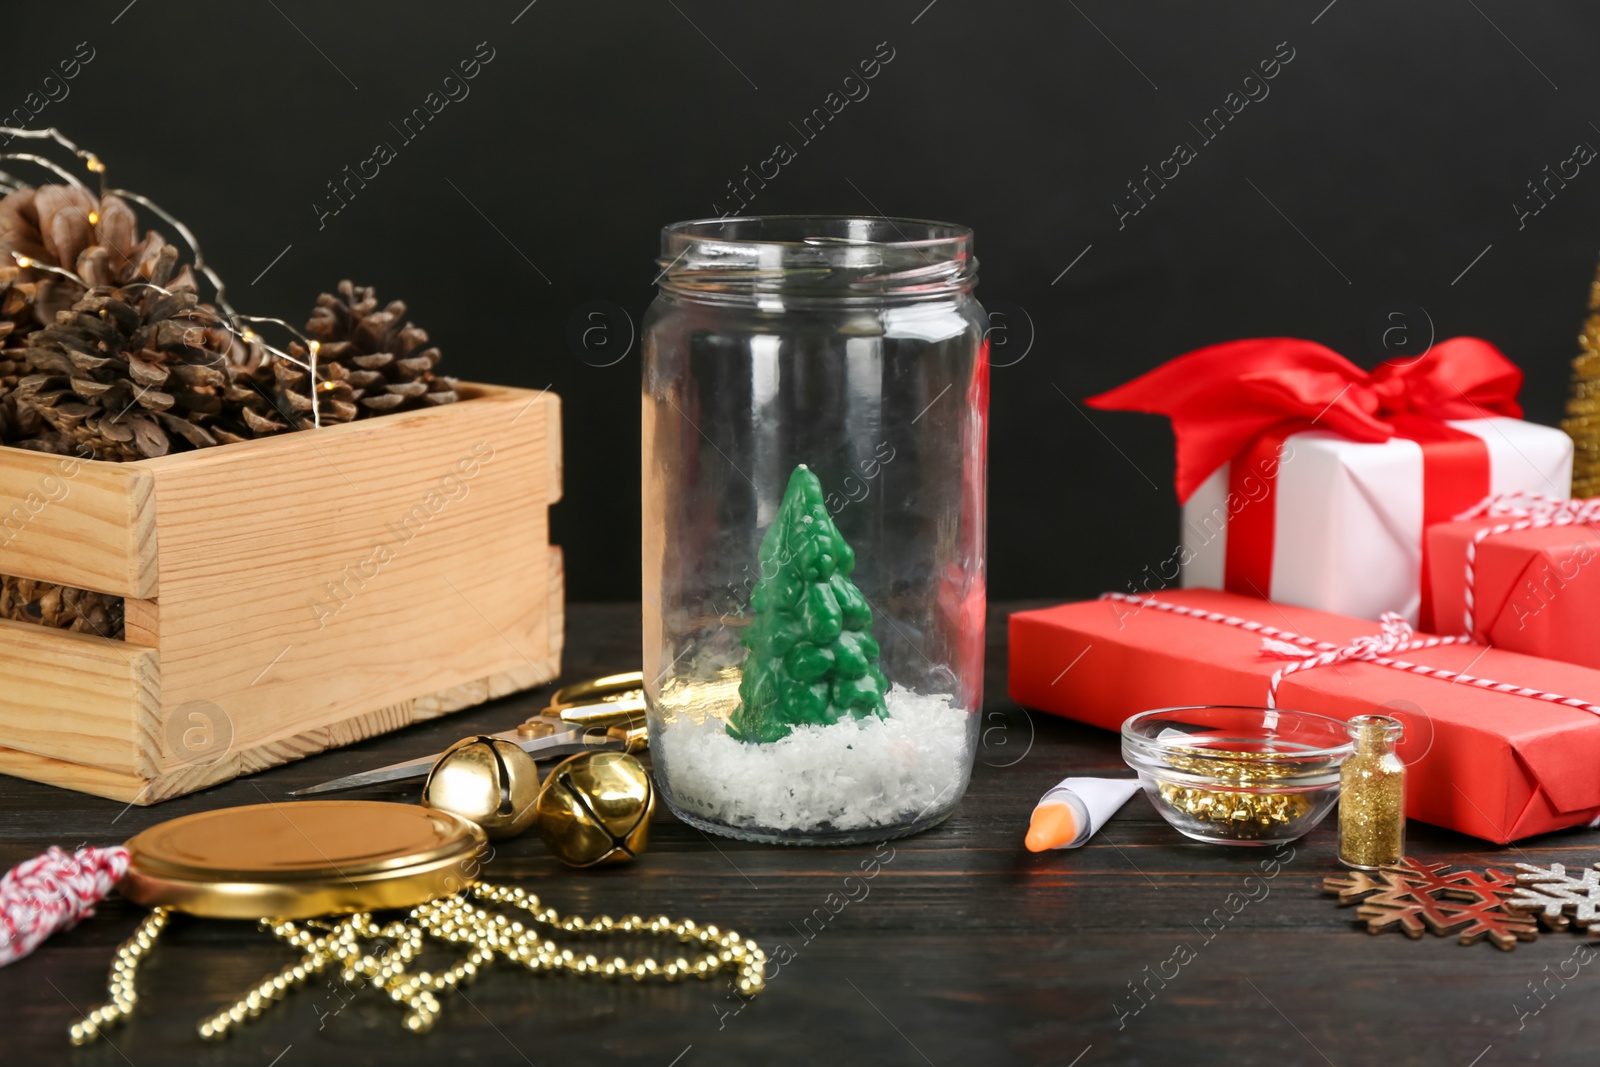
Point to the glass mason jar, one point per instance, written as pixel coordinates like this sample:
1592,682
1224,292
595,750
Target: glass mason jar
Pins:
815,421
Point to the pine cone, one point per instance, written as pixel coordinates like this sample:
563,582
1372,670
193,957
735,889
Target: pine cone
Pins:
16,322
388,367
16,311
61,607
20,425
125,368
60,224
288,387
19,225
52,225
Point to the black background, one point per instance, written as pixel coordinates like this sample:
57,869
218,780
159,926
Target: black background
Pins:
1387,157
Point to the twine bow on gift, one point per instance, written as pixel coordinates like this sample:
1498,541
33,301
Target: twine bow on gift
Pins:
1519,511
1396,636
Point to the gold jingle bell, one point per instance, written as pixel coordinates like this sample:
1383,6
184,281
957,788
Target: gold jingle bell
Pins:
488,780
595,809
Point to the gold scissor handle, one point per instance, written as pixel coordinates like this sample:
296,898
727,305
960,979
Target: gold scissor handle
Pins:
611,686
614,700
604,713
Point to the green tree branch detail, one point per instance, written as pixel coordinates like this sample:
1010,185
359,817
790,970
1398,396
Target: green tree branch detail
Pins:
812,655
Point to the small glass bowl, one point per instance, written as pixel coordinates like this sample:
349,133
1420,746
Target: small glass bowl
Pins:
1233,775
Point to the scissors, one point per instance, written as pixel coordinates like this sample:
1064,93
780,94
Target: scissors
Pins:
602,713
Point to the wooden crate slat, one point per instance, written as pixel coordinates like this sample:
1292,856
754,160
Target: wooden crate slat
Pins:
84,523
120,786
78,697
141,622
552,415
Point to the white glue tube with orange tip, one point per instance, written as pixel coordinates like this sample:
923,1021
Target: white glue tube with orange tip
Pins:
1074,810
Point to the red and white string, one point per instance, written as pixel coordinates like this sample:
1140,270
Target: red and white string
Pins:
52,892
1216,616
1396,636
1521,511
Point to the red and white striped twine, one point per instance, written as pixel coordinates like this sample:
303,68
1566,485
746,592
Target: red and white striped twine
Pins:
1523,511
1217,616
1397,636
52,892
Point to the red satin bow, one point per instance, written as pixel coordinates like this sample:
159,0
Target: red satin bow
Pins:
1223,397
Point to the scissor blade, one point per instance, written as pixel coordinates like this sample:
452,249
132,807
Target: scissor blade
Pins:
415,768
561,743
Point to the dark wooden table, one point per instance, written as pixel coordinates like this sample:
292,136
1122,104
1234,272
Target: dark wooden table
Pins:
965,949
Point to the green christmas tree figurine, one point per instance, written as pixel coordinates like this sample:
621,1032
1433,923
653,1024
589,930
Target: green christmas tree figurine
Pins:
812,656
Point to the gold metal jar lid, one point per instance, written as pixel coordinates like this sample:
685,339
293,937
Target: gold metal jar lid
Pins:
298,861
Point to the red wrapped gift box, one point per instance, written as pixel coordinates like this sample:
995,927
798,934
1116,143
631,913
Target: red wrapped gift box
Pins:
1535,591
1494,764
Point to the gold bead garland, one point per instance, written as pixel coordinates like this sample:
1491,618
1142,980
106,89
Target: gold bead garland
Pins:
455,920
338,944
120,988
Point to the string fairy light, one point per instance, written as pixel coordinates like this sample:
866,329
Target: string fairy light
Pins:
91,162
230,319
48,164
311,344
29,263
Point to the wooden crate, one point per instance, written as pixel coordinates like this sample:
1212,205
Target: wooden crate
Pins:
284,596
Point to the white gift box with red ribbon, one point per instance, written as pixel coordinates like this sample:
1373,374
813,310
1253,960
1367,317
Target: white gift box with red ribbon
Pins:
1347,517
1309,481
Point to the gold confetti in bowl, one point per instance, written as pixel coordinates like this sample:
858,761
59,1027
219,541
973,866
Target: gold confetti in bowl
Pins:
1230,775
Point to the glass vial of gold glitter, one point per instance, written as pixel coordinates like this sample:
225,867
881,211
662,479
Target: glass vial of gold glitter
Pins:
1372,796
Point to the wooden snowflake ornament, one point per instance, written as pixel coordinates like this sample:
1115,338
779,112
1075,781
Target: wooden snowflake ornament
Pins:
1355,886
1413,897
1557,898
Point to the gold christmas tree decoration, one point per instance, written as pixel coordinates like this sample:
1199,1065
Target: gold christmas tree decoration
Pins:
1583,402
